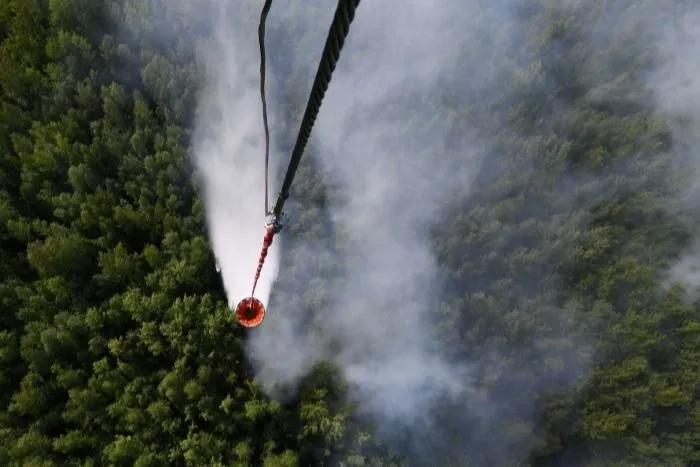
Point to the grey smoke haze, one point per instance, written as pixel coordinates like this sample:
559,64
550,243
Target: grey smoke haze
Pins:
677,89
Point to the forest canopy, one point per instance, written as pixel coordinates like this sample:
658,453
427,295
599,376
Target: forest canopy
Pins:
118,346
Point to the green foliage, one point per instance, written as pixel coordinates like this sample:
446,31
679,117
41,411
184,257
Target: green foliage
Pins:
117,347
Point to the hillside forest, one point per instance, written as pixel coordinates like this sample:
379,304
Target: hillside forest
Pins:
118,347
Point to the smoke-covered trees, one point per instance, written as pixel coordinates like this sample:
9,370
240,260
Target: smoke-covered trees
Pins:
117,346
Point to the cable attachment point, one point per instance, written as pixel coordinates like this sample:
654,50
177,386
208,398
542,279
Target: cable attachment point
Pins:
273,221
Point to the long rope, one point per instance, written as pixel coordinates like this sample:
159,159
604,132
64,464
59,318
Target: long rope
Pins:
344,14
261,40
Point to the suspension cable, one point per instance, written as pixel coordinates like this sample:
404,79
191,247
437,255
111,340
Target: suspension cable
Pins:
261,40
344,14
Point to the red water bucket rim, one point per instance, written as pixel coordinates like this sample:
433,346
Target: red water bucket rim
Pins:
244,308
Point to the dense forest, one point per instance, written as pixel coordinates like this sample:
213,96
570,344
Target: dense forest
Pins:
117,345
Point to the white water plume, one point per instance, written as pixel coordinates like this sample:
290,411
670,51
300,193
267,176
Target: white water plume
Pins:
229,153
